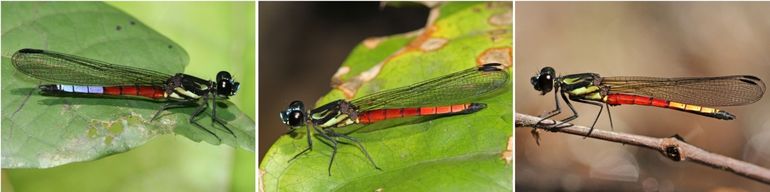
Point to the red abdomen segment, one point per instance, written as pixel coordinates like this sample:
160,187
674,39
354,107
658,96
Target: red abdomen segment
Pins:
374,116
152,92
625,99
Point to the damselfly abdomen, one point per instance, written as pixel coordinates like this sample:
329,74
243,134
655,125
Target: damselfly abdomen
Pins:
442,96
695,95
73,75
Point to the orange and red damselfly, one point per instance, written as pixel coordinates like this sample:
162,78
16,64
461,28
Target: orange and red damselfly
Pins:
452,94
695,95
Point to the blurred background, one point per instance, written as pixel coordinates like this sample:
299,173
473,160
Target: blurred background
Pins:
217,36
302,44
665,39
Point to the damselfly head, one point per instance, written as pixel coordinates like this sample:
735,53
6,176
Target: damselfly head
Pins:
226,86
294,115
543,81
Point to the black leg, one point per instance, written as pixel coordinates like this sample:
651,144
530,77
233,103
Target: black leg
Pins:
359,145
309,143
169,106
551,113
334,147
214,117
601,107
568,119
213,109
610,116
222,123
196,114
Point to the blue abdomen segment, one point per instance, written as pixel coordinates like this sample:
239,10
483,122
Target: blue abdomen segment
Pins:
152,92
72,88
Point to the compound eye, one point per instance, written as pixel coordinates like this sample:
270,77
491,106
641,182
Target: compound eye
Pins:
545,84
296,118
535,81
225,84
294,115
543,81
223,76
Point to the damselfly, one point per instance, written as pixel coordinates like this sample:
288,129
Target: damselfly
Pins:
688,94
74,75
442,96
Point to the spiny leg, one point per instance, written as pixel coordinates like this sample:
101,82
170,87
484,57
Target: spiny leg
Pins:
601,107
214,117
309,143
359,145
171,105
568,119
204,102
195,122
610,116
334,147
222,123
553,113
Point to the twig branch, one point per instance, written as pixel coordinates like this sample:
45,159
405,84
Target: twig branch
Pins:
672,147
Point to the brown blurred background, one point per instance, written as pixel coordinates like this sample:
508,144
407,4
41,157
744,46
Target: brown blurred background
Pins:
666,39
301,45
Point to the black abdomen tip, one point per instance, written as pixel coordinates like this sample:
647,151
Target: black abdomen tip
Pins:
28,50
49,88
490,67
724,115
474,107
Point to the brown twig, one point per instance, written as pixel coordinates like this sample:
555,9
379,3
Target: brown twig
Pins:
672,147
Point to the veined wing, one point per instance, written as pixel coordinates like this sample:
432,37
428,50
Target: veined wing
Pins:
455,88
705,91
57,67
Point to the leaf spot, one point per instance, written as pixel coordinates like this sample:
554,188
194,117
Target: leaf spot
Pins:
372,42
418,41
350,87
433,44
501,19
507,155
499,34
502,55
337,77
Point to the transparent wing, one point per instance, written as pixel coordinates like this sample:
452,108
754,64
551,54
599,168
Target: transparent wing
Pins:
63,68
459,87
706,91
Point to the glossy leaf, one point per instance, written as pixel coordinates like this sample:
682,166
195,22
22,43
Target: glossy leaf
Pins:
44,131
457,153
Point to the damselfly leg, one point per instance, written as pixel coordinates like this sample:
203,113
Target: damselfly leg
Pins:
354,140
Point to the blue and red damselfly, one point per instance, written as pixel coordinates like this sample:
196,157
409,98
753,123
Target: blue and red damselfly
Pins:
72,75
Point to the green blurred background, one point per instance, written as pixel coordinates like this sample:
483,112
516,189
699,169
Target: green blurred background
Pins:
217,36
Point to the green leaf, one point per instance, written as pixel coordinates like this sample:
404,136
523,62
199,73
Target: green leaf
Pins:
457,153
44,131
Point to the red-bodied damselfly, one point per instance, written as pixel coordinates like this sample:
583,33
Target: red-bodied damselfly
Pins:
695,95
74,75
451,94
